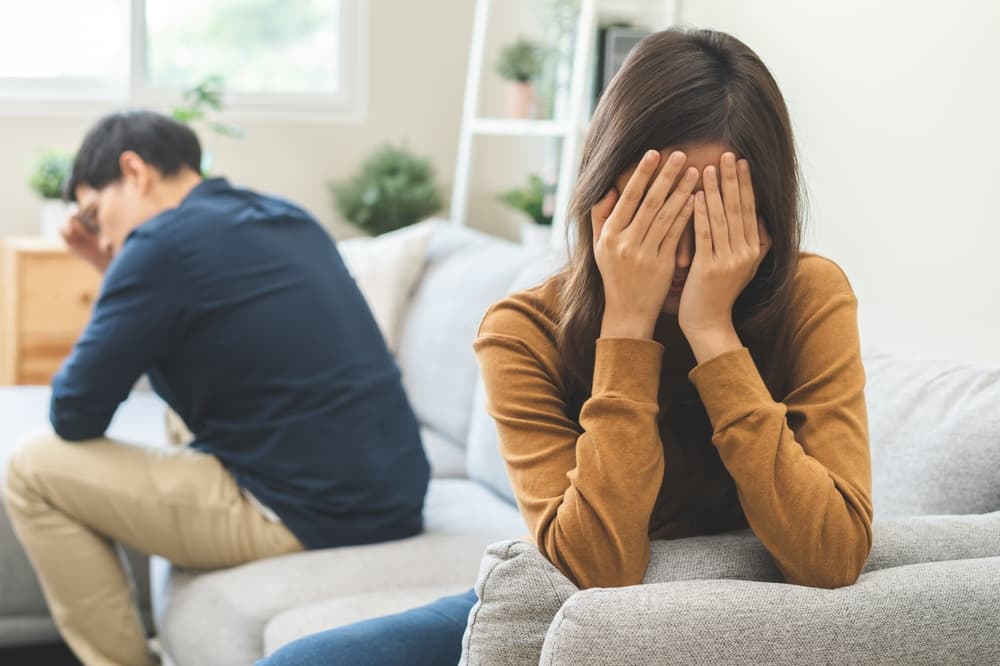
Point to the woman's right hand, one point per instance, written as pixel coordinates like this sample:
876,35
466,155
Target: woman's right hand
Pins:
635,242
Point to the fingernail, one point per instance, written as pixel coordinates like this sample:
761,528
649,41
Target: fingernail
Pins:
744,166
728,158
691,174
677,157
650,156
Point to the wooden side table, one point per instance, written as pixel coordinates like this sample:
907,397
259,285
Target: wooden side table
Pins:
46,297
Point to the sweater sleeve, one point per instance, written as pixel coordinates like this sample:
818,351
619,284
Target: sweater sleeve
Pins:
586,489
801,466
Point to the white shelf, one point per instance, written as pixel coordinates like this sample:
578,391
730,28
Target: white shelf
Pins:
518,127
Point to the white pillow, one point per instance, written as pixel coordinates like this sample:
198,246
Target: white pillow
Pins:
387,269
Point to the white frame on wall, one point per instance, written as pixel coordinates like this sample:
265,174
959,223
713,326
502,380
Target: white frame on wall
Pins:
72,97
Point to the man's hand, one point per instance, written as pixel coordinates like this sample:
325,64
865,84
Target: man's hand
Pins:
85,244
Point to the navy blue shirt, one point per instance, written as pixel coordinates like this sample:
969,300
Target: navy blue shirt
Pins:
241,311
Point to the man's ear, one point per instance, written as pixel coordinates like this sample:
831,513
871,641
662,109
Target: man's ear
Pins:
135,170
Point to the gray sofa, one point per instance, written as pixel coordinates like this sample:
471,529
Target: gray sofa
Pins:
936,450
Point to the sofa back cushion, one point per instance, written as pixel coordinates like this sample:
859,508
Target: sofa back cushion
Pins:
466,271
482,450
935,435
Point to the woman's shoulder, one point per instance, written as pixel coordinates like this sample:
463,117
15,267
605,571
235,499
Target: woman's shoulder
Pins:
819,277
529,315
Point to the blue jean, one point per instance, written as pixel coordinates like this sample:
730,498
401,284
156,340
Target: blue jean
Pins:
430,635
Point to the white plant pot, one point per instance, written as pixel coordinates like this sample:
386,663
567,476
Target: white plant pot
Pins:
55,212
536,235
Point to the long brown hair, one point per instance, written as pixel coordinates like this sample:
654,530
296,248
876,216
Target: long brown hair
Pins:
681,87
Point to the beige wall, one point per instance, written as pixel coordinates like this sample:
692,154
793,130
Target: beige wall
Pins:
894,104
417,53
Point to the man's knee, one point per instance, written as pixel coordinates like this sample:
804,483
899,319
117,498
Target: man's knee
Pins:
26,465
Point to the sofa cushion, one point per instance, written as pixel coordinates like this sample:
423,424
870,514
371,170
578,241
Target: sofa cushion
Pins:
933,613
935,435
466,271
482,449
387,269
219,617
314,618
447,458
24,617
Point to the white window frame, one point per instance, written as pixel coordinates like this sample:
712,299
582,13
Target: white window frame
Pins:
87,97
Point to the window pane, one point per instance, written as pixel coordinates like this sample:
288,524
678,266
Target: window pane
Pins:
65,39
257,46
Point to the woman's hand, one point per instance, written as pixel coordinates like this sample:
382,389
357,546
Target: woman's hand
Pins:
635,243
730,243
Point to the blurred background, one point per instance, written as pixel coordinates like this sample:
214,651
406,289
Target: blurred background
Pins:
373,113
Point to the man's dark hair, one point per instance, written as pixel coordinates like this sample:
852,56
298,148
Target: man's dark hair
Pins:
160,141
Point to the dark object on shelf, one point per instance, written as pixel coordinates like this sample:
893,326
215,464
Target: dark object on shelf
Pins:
614,42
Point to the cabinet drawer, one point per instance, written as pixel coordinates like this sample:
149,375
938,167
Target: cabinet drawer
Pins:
41,358
56,294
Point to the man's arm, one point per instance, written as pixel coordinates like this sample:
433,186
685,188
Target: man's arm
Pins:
135,320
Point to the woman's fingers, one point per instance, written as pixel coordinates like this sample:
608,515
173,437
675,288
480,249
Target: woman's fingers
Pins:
600,213
749,205
672,236
702,228
634,191
716,213
668,213
654,199
731,199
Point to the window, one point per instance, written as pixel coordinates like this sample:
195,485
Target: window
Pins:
274,55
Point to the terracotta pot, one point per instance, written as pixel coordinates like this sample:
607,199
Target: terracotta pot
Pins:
520,100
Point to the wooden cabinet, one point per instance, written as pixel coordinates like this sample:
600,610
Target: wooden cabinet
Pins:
46,296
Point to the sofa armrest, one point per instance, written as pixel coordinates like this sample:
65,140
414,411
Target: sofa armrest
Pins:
933,613
518,587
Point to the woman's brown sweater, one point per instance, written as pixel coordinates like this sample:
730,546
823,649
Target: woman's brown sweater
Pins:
664,448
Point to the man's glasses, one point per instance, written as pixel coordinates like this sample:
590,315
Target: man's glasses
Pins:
88,218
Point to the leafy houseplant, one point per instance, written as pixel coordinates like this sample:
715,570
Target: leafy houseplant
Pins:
519,63
200,104
48,178
393,189
535,201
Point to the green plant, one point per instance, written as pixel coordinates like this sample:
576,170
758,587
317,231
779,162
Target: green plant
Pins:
392,189
521,60
50,172
201,102
533,199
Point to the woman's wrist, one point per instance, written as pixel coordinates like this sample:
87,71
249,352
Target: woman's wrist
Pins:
615,325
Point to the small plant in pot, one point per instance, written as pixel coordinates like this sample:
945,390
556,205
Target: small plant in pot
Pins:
48,178
535,200
519,63
393,189
202,103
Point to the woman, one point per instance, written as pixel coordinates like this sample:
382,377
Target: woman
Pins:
689,372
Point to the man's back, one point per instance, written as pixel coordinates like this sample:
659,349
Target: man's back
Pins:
242,312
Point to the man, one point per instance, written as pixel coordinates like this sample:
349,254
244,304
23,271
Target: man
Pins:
243,315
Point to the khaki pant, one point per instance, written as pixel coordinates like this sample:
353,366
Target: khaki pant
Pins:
69,502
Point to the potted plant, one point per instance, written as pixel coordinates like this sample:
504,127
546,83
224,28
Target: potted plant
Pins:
393,189
519,63
48,178
201,103
535,200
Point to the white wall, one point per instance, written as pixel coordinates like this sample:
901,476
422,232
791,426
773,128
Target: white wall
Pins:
895,106
417,54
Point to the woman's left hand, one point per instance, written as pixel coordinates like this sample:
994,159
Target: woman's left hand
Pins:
730,243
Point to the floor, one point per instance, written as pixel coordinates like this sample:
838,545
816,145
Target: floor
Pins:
38,655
